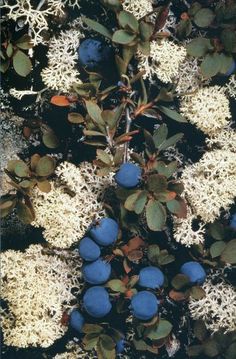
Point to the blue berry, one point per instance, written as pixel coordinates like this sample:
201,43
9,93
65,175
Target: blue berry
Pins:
97,272
76,320
144,305
128,175
96,302
232,223
194,271
89,250
106,232
120,346
151,277
93,54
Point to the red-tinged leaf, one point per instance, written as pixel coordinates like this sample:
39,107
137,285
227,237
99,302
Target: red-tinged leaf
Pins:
178,296
135,255
126,266
134,243
161,18
178,207
129,293
60,101
65,319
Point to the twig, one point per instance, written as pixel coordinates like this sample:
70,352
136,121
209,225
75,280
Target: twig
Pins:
127,129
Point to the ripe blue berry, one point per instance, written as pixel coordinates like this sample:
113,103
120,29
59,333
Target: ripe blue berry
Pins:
96,302
97,272
93,54
194,271
232,223
89,250
106,232
151,277
128,175
76,320
144,305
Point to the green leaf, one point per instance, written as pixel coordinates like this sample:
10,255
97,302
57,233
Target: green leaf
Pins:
217,248
153,253
94,25
44,186
165,258
21,169
171,114
177,187
24,213
228,38
93,133
178,207
140,202
197,292
24,42
74,117
162,330
104,157
26,184
95,112
156,215
200,330
90,341
184,28
229,253
9,50
128,52
123,37
166,170
21,63
216,230
121,65
126,19
171,141
130,200
194,8
157,183
50,140
180,281
149,141
160,135
231,351
146,30
116,285
45,166
92,328
199,47
211,65
204,17
211,348
194,350
4,66
85,90
144,47
6,206
106,347
226,63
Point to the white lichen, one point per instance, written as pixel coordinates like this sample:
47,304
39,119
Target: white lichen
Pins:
75,351
184,232
210,184
164,60
62,72
65,217
217,309
231,87
207,109
225,139
138,8
37,289
18,94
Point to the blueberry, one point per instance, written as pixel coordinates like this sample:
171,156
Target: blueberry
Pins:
120,346
97,272
89,250
232,223
194,271
106,232
144,305
128,175
151,277
76,320
232,69
94,54
96,302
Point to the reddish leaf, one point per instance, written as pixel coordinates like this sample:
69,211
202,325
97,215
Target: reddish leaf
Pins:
126,266
135,255
178,296
60,101
134,243
65,319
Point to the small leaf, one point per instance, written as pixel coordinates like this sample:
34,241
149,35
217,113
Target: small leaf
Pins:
199,47
92,328
24,42
144,47
44,186
21,169
93,133
146,30
211,65
34,160
98,27
166,170
184,28
95,112
24,213
85,90
157,183
179,296
200,330
130,201
153,253
90,341
230,351
195,350
229,253
180,281
116,285
26,184
162,330
156,215
165,258
228,38
171,114
204,17
9,50
140,202
197,292
211,348
50,140
123,37
178,207
160,135
104,157
216,230
217,248
21,63
127,19
74,117
226,62
149,141
60,101
45,166
171,141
